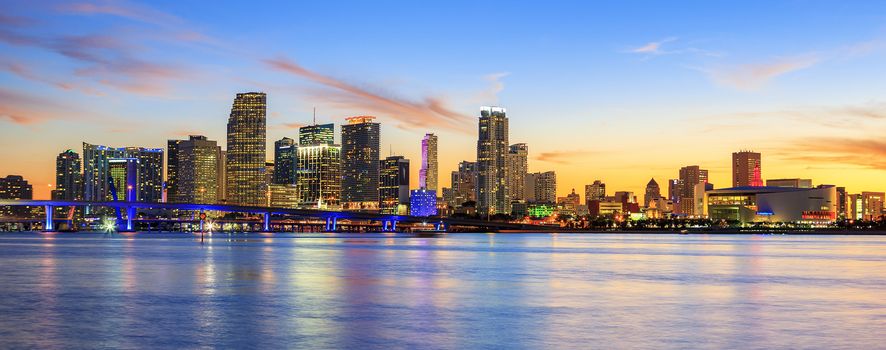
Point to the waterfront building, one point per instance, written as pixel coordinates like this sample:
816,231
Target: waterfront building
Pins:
150,172
193,170
872,205
747,169
492,148
690,176
124,173
595,191
95,171
749,204
319,176
653,192
221,177
674,188
517,164
543,185
360,143
540,210
423,202
269,174
68,177
464,183
855,207
317,134
393,185
570,203
427,174
245,165
608,207
285,159
15,187
842,203
796,183
283,196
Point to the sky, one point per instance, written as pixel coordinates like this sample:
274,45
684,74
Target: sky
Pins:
620,91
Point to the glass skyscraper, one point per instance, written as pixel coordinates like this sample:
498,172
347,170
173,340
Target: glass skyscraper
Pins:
393,184
318,174
285,160
124,172
427,175
492,150
68,177
317,134
245,173
149,184
195,179
359,162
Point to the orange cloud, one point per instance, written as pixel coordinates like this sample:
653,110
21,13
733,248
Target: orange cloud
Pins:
756,75
432,112
561,157
866,153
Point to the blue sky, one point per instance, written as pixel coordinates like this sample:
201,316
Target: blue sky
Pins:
619,91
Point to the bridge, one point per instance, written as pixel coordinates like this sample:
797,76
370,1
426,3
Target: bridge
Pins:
388,221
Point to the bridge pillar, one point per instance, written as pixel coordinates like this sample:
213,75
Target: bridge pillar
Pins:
130,213
48,224
334,223
326,228
384,226
267,222
393,225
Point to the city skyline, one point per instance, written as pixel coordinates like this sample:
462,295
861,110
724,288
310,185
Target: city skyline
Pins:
611,118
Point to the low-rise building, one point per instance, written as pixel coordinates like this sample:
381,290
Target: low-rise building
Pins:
773,204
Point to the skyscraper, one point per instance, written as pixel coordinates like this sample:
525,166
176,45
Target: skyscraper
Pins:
690,177
595,191
464,183
68,177
124,173
196,176
318,174
149,184
393,185
172,170
285,159
360,143
15,187
492,149
427,175
150,172
544,186
746,169
245,173
653,192
517,163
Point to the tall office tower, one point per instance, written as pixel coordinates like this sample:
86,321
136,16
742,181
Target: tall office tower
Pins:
674,189
747,169
317,134
195,177
393,185
464,183
245,165
68,177
95,171
221,176
124,174
653,192
360,143
690,176
842,203
517,167
285,158
492,149
150,172
545,184
15,187
427,175
595,191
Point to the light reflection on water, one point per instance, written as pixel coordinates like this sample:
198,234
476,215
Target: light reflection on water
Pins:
459,291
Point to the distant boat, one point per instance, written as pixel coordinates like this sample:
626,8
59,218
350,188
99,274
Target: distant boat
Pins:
684,232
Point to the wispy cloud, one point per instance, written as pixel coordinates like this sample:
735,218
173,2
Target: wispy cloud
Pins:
865,153
430,112
23,109
292,125
653,47
753,76
121,9
562,157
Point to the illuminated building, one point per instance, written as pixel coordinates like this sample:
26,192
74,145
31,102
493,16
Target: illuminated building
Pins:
540,210
95,171
393,185
15,187
843,203
595,191
285,159
543,186
423,202
124,174
570,203
283,196
608,207
245,164
360,163
517,169
427,174
674,188
492,148
317,134
773,204
319,176
221,177
653,192
68,177
797,183
746,169
193,170
464,183
690,176
269,174
872,205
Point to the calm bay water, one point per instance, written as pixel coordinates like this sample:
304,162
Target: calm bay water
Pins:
460,291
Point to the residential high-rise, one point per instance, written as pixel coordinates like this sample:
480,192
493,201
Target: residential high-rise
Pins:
517,164
544,186
68,177
492,149
595,191
221,176
427,175
95,172
872,204
690,176
317,134
360,143
464,183
195,178
285,159
245,165
393,185
653,192
746,169
318,174
124,173
15,187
